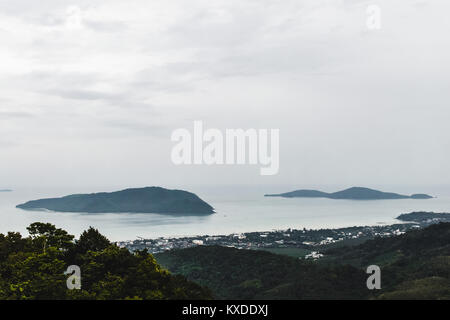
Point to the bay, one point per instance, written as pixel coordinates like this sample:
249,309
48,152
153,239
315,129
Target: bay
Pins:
238,209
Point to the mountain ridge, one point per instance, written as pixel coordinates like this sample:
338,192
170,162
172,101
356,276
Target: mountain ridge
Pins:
133,200
354,193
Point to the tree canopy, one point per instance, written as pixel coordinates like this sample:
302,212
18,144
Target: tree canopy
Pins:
33,268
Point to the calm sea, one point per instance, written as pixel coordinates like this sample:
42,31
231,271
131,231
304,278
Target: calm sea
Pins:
238,210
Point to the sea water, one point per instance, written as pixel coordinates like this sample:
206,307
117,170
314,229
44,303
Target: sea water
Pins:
237,210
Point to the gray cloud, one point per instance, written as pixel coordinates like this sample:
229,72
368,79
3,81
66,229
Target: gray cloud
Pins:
84,94
13,114
353,106
148,129
105,26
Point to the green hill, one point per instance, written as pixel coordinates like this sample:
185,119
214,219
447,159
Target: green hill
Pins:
252,274
415,265
355,193
143,200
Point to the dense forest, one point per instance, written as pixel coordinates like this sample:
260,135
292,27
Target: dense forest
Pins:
33,268
415,265
255,274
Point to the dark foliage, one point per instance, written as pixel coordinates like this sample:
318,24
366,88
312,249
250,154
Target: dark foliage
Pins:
252,274
415,265
33,268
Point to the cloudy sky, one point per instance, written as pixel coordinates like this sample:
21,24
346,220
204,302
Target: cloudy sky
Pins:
90,91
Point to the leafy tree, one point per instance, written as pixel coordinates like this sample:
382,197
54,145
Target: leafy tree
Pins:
47,235
93,240
33,268
12,242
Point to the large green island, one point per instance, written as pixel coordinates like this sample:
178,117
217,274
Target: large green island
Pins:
355,193
140,200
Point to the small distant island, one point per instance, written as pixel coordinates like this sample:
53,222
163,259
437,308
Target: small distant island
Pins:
355,193
5,190
422,216
139,200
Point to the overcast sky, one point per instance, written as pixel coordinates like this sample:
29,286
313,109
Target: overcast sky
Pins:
90,91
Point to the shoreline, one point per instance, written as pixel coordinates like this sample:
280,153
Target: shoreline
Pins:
307,239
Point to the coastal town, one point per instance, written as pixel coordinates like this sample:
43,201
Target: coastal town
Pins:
311,240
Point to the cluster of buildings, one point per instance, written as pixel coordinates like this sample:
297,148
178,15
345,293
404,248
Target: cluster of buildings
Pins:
290,238
314,255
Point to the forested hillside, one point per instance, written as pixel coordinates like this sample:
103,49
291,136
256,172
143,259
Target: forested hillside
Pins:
415,265
33,267
252,274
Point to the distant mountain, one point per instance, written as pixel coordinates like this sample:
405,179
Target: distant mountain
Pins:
143,200
355,193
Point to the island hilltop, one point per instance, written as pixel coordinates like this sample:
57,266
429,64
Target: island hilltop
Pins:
142,200
355,193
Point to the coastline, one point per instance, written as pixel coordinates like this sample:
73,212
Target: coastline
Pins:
306,239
